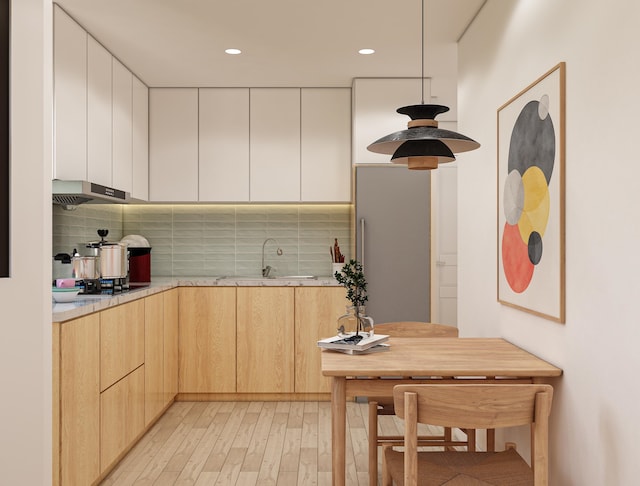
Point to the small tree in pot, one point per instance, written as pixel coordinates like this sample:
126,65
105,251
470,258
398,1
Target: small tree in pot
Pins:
352,278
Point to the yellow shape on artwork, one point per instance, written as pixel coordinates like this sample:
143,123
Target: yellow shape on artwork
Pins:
535,214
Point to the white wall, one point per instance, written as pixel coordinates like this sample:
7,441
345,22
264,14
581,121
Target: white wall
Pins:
25,298
594,421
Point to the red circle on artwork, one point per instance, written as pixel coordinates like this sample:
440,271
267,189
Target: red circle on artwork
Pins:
518,269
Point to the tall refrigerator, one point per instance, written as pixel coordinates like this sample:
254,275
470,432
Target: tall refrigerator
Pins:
393,241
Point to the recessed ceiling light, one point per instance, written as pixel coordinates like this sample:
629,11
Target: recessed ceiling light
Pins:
232,51
366,51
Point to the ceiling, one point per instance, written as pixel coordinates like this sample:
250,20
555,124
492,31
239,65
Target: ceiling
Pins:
298,43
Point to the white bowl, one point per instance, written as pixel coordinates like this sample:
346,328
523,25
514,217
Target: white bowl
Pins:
64,295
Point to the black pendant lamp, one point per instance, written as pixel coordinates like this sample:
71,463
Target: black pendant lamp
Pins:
423,145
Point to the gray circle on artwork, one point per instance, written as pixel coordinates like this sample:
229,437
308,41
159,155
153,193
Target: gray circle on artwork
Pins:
534,247
513,197
533,142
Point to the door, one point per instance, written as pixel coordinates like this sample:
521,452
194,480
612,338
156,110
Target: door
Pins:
445,252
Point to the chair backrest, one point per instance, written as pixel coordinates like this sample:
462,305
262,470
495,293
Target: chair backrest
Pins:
416,329
481,406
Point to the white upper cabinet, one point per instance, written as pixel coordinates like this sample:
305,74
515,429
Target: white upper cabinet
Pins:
224,145
94,125
250,144
275,144
173,144
70,98
140,141
99,126
326,145
375,101
122,127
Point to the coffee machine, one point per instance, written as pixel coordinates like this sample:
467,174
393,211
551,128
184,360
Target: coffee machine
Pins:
139,260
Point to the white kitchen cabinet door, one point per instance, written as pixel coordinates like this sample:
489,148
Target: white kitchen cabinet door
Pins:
173,144
70,98
375,101
140,141
224,145
326,144
99,122
122,127
275,144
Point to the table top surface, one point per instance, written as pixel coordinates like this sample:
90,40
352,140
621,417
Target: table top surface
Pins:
441,357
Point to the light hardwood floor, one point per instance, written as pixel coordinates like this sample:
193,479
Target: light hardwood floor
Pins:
247,443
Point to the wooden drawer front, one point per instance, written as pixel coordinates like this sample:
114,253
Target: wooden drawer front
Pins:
265,339
207,340
79,400
121,417
121,341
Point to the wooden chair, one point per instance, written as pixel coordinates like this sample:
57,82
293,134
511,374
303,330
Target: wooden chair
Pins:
482,406
384,405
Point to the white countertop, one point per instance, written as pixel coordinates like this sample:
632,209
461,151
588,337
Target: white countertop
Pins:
87,304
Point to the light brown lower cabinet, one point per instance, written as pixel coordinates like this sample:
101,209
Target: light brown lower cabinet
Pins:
122,416
207,339
76,387
255,340
265,339
116,370
170,362
101,384
160,353
316,314
153,357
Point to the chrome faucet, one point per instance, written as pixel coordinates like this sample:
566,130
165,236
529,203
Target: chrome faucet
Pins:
266,271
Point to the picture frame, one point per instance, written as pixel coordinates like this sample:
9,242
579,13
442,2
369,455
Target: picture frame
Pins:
5,150
531,198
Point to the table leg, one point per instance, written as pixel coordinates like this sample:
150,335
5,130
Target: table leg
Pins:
338,429
491,440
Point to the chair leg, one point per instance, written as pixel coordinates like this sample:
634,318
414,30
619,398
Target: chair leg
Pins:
373,443
471,440
386,476
447,437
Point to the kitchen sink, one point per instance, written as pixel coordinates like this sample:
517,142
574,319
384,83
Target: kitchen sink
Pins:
295,277
275,277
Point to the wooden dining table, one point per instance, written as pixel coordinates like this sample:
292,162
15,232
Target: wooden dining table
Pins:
422,360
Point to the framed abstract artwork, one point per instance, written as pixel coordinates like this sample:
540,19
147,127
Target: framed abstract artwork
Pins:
531,200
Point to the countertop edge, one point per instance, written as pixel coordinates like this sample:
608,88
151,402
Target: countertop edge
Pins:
89,304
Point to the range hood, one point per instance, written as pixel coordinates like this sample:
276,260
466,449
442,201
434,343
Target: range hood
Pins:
73,193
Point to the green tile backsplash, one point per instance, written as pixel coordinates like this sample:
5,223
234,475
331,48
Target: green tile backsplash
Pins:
70,228
213,240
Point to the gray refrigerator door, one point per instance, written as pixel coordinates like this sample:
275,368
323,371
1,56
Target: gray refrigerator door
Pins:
393,216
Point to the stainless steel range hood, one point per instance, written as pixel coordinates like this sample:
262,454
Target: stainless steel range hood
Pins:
73,193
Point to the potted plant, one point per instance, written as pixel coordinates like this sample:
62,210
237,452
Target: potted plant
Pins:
352,278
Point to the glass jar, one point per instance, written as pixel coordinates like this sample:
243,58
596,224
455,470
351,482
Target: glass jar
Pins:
355,322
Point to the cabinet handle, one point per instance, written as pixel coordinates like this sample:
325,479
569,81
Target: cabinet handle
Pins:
362,242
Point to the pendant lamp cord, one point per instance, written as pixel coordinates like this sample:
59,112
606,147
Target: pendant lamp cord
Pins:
422,52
